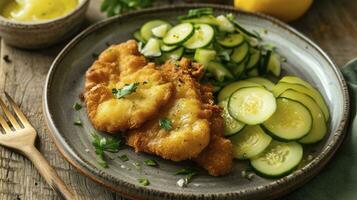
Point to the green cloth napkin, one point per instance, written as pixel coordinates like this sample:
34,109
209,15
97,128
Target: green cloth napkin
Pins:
338,180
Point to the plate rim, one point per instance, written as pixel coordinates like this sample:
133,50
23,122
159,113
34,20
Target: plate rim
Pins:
299,177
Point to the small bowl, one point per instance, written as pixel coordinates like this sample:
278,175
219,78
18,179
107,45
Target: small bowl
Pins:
36,35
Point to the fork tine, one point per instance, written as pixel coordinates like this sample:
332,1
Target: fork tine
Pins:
17,110
4,125
9,115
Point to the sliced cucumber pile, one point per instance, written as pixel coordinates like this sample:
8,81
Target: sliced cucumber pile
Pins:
228,51
255,110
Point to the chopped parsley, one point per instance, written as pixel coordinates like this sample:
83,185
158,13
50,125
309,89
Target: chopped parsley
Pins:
150,162
77,106
123,158
144,181
102,144
126,90
189,172
165,124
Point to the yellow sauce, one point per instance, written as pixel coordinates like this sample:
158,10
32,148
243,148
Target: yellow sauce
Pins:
37,10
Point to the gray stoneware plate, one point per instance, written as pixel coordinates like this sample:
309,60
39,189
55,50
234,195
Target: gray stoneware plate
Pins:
65,84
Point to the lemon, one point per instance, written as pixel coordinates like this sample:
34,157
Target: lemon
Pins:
286,10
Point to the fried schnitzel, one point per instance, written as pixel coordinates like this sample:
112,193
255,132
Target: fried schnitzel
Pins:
117,67
197,124
190,132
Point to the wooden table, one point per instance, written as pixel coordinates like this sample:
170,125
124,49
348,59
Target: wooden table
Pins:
332,24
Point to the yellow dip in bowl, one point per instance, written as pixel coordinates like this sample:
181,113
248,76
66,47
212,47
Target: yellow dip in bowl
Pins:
37,10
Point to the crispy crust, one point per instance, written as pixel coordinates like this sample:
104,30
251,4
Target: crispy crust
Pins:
117,66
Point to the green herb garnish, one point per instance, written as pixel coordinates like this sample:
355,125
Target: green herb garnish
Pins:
116,7
102,144
126,90
165,124
144,181
150,162
189,172
123,158
77,106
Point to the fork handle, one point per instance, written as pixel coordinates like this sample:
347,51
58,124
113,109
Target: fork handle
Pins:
47,172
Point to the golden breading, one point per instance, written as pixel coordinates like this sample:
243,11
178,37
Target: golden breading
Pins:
116,67
190,132
217,157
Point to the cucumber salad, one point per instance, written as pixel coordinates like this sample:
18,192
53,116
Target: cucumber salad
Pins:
268,122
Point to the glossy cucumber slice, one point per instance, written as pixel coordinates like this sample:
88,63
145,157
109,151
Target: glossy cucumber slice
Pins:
250,142
179,34
137,36
168,48
232,40
240,53
219,71
152,48
146,29
291,121
227,91
224,24
319,126
202,37
278,159
204,56
160,31
175,55
252,105
274,64
295,83
253,59
231,126
262,81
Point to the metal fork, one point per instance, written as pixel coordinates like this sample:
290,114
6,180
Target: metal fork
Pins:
22,138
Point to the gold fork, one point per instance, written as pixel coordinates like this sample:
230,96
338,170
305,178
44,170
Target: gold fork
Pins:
22,138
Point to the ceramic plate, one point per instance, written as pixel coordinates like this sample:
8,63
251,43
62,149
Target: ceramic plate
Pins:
65,83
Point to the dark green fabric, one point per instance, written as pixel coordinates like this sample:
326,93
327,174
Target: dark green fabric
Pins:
338,180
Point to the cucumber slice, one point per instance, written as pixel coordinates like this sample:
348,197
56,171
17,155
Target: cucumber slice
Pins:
291,121
224,24
240,28
311,91
137,36
232,40
146,29
278,159
274,64
262,81
253,59
160,31
231,126
152,48
219,71
253,72
206,19
319,126
227,91
240,53
263,67
202,37
204,56
252,105
167,48
179,34
175,55
250,142
238,70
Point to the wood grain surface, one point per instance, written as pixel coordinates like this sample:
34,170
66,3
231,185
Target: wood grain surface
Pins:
332,24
